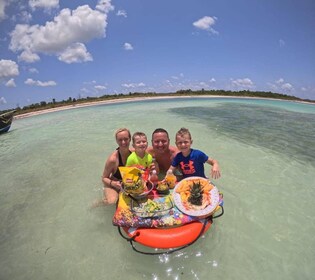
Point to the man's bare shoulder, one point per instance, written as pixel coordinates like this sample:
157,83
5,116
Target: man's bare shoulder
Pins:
150,150
173,150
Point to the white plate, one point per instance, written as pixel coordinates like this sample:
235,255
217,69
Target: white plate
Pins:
214,193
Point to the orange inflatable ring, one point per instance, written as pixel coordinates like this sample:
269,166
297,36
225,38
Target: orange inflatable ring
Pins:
166,238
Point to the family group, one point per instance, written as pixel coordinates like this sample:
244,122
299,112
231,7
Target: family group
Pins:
161,157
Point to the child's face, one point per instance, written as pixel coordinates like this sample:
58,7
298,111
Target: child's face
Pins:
183,143
140,143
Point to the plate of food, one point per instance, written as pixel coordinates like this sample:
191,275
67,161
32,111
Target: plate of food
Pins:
151,206
196,196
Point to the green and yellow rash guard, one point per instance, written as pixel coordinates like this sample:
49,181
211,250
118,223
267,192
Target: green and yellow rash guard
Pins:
134,160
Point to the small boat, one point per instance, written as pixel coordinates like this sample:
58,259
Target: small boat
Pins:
6,121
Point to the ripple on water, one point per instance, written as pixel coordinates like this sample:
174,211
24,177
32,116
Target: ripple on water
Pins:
50,175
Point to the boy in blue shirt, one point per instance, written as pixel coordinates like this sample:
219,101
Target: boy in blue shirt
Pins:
191,161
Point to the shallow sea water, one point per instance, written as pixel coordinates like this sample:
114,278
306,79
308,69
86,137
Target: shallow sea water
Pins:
50,174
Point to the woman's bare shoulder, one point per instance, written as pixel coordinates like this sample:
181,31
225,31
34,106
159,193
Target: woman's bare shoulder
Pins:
112,157
110,164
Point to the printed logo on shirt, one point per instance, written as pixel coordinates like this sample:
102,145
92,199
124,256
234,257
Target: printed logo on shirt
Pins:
187,168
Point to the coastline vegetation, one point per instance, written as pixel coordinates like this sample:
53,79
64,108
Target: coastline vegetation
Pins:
43,105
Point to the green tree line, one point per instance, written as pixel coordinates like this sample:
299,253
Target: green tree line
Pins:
43,105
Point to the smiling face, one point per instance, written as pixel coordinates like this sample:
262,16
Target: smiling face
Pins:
123,139
160,142
140,143
183,143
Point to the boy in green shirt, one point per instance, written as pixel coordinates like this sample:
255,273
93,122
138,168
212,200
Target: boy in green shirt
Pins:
140,158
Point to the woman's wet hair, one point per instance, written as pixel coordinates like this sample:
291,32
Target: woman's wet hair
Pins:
122,130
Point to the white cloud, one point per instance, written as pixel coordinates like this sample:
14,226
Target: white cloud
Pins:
25,16
245,83
280,81
28,56
121,13
180,76
287,87
206,23
281,43
212,80
133,85
85,90
203,85
75,53
128,47
32,82
68,27
90,83
273,87
104,6
45,4
33,70
281,85
3,4
10,83
99,87
8,68
22,16
2,101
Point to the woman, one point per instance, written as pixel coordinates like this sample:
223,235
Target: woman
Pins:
111,176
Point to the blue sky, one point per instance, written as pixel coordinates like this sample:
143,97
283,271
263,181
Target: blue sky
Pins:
51,49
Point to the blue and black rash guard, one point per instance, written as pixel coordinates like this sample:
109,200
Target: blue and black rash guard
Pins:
192,165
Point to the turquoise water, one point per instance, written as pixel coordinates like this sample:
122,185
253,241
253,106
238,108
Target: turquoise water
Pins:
50,174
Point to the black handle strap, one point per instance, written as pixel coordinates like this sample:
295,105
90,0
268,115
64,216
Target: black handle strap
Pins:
219,215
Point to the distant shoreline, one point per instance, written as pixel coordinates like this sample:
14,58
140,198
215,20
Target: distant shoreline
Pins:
113,101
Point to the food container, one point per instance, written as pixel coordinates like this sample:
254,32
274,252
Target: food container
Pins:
146,189
152,206
162,188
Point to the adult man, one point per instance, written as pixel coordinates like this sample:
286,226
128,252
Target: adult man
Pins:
161,150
